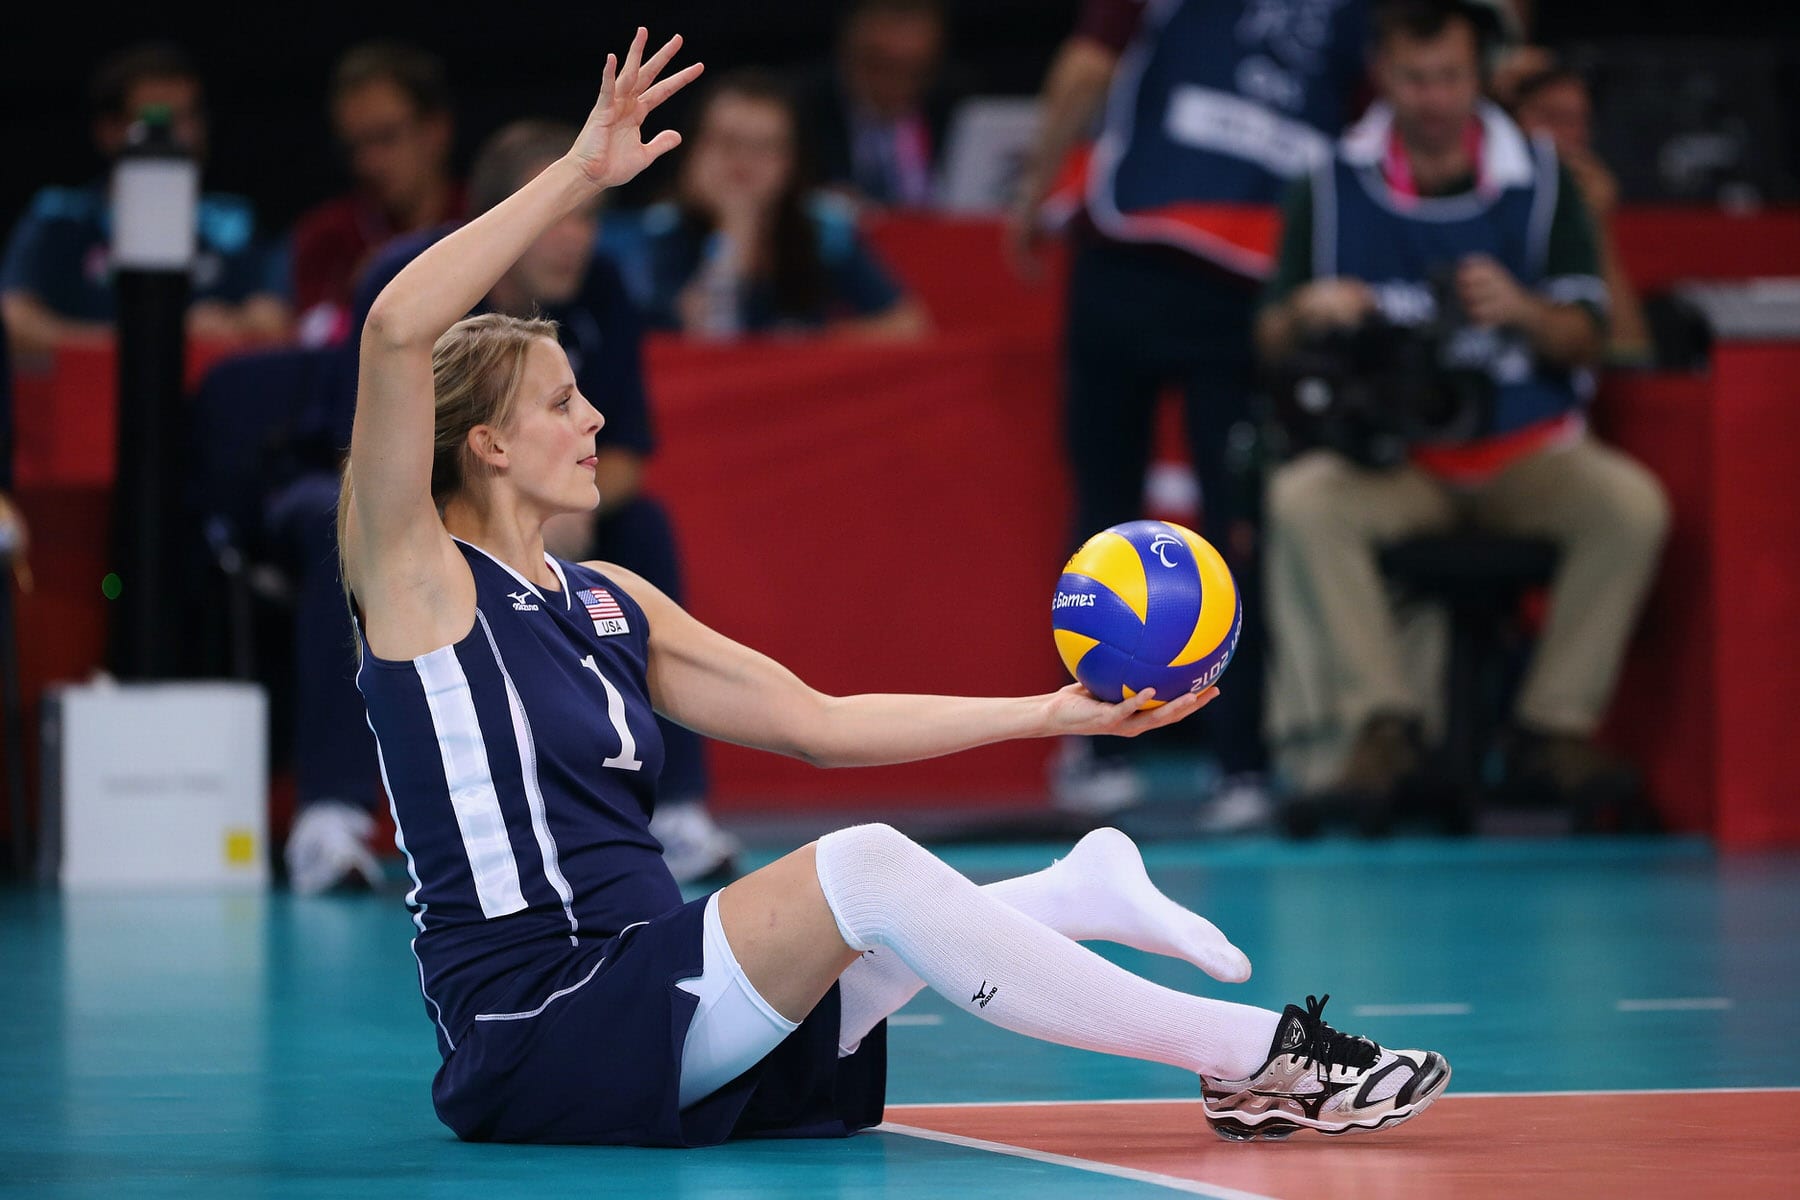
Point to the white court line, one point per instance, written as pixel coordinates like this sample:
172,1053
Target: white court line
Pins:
1450,1095
1172,1182
1676,1004
1410,1010
917,1019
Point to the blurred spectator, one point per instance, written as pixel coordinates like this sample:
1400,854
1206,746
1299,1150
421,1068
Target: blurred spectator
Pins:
390,112
875,121
56,282
1210,108
745,248
1462,246
560,277
1555,102
15,538
1513,65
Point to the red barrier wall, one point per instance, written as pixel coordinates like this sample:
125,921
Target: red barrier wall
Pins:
879,519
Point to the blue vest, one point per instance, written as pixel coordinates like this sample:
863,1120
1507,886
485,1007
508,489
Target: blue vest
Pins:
1221,103
521,767
1362,230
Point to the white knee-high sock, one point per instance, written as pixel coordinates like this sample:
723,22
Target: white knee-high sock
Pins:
1099,891
992,960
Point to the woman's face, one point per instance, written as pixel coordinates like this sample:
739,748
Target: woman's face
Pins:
743,154
548,437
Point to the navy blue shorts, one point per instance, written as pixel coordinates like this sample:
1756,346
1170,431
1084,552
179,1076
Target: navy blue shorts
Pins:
600,1062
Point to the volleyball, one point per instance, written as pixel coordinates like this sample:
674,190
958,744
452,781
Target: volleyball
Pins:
1146,604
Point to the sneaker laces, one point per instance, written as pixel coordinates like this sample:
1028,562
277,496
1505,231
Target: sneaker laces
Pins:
1327,1047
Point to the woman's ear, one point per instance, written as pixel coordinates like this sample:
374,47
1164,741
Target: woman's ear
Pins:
485,445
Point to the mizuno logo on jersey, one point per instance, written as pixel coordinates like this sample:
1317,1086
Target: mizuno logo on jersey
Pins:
522,602
604,611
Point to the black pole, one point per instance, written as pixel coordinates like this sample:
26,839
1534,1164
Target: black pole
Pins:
152,309
155,194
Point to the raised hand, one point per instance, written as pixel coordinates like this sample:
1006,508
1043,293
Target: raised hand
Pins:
610,149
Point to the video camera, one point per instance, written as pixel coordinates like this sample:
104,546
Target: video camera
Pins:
1376,389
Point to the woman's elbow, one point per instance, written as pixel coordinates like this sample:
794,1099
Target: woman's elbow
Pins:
808,734
389,327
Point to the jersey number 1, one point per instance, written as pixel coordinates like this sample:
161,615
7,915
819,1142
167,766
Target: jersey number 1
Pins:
626,759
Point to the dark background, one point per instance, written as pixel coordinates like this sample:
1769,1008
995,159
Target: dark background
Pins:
266,68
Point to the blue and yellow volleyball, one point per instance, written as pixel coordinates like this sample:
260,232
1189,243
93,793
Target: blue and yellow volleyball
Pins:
1146,604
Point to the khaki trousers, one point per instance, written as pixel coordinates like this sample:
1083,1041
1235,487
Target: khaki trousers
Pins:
1339,643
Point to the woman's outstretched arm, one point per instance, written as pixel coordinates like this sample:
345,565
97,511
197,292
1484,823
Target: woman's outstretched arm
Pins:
393,519
711,684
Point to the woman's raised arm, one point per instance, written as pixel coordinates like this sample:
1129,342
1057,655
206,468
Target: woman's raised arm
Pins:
393,522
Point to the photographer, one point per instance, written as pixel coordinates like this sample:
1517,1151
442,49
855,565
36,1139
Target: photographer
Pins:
1439,284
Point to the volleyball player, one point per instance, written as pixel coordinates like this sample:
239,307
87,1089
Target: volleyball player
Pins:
576,998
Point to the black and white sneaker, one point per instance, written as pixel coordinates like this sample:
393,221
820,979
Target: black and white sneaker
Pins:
1318,1078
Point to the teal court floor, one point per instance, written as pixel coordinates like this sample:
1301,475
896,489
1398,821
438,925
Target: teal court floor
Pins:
1646,994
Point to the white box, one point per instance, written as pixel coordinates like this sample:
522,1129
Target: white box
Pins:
156,785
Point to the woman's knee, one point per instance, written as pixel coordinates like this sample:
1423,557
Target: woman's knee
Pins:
864,871
876,852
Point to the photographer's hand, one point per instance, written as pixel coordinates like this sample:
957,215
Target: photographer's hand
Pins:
1332,303
1562,333
1314,307
1490,295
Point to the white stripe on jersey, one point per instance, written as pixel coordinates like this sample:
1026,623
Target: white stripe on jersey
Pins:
534,793
471,782
558,994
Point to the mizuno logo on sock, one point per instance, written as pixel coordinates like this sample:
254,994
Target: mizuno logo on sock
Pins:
983,994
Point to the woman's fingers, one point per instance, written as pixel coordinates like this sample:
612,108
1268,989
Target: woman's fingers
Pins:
662,143
668,87
608,80
1178,709
1134,703
628,71
653,67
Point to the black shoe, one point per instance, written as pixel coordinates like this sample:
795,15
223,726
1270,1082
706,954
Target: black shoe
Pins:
1600,792
1382,763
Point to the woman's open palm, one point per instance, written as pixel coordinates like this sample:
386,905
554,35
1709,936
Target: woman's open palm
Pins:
610,149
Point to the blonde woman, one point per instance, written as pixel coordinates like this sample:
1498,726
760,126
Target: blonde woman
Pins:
575,997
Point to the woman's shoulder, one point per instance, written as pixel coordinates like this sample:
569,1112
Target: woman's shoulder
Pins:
612,580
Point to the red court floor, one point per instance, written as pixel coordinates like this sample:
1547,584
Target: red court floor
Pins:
1739,1144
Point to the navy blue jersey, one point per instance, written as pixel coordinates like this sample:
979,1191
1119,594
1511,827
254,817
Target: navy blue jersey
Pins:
521,765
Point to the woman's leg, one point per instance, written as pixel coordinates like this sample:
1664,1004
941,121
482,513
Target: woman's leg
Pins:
798,922
1099,891
992,960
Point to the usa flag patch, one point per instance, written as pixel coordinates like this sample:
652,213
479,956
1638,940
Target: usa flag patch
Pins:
608,617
